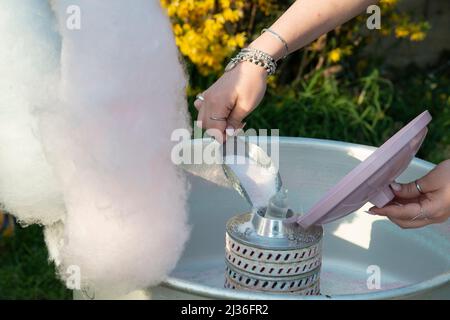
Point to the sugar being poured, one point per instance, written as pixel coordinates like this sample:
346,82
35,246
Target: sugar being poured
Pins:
259,183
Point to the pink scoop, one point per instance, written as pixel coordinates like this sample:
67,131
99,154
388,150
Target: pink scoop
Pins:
369,181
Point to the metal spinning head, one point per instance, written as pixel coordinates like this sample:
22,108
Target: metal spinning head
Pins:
268,254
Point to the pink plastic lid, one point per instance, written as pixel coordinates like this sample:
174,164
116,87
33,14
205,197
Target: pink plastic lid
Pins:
369,181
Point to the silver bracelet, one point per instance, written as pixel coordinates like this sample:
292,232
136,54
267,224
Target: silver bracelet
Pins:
254,56
276,35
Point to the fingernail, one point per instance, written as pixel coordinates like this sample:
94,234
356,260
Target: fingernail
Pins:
230,131
396,186
370,212
198,124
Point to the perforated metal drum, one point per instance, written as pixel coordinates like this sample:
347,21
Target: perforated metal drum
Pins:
271,254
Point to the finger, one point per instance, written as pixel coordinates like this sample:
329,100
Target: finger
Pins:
199,99
403,201
231,131
410,224
238,114
407,190
198,104
217,134
428,207
428,183
200,116
234,123
404,212
215,119
215,128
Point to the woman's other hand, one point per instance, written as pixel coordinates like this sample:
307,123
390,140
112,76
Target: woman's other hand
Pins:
415,207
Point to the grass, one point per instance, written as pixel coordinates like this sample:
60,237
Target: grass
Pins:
365,109
25,272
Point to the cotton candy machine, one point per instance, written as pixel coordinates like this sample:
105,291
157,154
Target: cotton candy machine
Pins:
363,256
358,256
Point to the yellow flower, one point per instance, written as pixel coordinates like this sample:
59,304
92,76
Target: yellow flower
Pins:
225,4
207,31
388,2
417,36
232,15
240,39
335,55
272,81
177,29
401,32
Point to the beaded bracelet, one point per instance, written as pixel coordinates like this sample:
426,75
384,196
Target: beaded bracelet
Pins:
254,56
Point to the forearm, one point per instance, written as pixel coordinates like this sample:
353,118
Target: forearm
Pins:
305,21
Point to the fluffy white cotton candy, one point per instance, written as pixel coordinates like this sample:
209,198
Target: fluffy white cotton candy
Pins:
88,154
122,95
29,64
54,239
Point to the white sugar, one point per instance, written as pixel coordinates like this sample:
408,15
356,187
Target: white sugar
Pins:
258,182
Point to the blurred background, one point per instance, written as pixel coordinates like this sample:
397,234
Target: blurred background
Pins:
353,84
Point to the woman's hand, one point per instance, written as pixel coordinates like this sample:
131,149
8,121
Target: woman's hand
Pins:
232,97
413,209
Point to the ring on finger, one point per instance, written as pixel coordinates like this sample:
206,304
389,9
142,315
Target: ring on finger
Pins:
200,97
218,118
418,187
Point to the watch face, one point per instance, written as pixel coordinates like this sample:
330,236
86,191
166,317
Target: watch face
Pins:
230,65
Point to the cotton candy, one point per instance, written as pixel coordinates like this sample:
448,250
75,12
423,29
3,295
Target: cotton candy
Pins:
106,138
29,66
